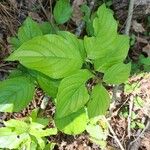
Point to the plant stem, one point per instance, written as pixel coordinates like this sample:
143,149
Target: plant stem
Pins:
130,14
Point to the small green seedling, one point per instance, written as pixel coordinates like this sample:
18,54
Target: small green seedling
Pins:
142,65
135,122
28,133
98,131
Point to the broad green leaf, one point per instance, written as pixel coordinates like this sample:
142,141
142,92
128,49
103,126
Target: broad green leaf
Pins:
27,31
14,41
97,132
62,11
105,26
18,126
78,43
97,48
106,53
117,74
99,102
4,131
49,85
13,141
16,93
107,47
45,54
74,123
72,93
39,132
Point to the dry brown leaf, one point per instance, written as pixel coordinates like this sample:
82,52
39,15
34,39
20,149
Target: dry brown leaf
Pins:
30,3
13,3
77,13
137,27
142,40
145,141
35,16
146,49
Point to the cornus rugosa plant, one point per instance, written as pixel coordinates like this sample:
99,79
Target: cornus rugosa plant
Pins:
72,71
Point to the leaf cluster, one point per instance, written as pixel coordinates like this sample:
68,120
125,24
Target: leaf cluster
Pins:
28,133
71,70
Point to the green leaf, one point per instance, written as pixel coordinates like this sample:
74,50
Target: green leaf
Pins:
73,40
15,73
41,120
105,26
49,85
4,131
40,142
106,53
140,125
74,123
18,126
87,14
107,47
72,93
39,132
24,134
62,11
13,141
45,54
27,31
14,41
138,102
145,61
99,102
133,125
97,132
50,146
16,93
117,74
46,28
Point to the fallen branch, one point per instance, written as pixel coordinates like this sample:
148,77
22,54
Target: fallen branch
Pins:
114,134
130,14
135,144
130,115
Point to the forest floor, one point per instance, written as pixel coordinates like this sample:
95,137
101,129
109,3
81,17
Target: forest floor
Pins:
130,109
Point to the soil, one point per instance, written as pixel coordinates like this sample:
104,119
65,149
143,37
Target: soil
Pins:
14,12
